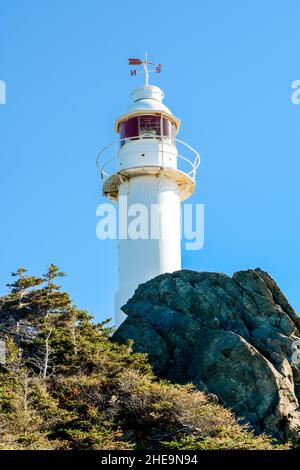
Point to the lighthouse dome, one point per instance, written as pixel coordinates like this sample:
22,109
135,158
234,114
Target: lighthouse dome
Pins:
148,98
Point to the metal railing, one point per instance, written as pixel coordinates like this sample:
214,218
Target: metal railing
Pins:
193,162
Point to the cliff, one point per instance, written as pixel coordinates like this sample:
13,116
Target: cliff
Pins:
234,337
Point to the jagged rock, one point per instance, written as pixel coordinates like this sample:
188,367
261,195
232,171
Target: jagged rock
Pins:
231,336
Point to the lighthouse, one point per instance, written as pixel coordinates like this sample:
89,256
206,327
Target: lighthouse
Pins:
149,174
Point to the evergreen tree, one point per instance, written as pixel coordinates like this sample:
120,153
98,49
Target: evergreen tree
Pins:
66,385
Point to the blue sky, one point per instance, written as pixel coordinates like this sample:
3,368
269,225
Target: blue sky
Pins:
228,69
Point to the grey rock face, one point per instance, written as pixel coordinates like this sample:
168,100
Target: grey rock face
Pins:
230,336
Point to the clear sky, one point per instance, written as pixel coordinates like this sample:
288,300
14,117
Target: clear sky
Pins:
228,69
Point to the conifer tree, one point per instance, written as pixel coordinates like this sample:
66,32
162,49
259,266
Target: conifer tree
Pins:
66,385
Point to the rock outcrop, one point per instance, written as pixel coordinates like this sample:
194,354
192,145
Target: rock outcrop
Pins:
235,337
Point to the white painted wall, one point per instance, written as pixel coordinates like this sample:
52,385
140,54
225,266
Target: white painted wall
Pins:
143,259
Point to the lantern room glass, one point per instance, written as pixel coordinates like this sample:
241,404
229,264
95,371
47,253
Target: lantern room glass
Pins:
147,126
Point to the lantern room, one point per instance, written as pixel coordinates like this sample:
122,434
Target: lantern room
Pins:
147,126
148,131
147,117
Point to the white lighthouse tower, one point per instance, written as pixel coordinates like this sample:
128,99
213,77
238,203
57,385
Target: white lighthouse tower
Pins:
149,178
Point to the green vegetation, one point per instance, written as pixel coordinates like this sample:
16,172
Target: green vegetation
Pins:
65,385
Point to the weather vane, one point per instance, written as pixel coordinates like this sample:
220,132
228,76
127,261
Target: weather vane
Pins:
146,70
